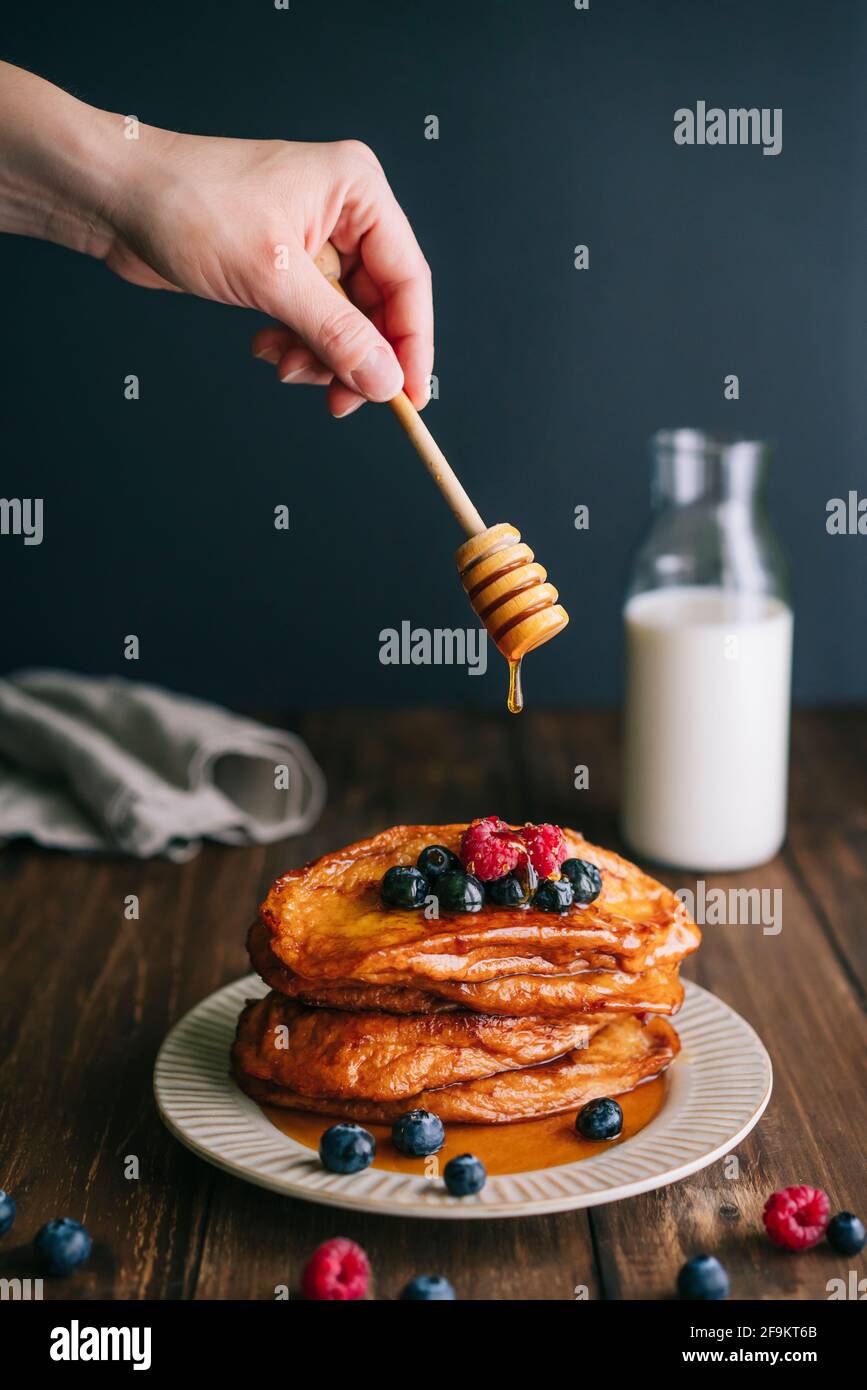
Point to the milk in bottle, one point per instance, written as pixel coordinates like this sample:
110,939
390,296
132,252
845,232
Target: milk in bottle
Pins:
708,663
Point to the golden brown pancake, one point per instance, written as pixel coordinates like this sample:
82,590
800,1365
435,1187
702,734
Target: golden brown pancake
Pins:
337,994
655,991
383,1057
618,1057
326,922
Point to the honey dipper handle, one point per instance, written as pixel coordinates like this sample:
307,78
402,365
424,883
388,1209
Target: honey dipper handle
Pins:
437,465
420,436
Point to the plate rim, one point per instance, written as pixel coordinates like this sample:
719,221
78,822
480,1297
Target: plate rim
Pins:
348,1193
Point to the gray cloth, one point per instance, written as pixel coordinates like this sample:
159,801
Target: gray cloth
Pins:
108,764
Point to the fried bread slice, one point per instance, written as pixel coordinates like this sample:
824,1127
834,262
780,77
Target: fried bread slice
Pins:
383,1057
326,922
618,1058
654,991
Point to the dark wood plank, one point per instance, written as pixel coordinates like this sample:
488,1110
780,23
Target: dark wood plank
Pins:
828,778
88,997
828,829
257,1242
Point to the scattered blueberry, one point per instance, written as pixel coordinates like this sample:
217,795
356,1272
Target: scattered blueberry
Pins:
600,1119
553,895
428,1286
437,860
7,1212
418,1133
703,1277
508,891
459,892
465,1175
403,886
846,1233
585,878
347,1148
61,1246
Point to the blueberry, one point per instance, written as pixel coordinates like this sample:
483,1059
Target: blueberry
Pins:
459,892
61,1246
347,1148
703,1277
403,887
418,1133
428,1286
507,892
7,1212
600,1119
465,1175
553,895
585,878
846,1233
437,860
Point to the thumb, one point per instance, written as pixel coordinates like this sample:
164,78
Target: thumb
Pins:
339,334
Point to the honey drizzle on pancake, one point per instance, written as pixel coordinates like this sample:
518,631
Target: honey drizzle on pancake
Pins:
519,1147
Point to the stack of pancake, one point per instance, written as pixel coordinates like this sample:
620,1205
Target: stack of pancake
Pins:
501,1015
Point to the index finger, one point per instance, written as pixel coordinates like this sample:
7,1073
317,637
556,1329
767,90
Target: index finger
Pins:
392,258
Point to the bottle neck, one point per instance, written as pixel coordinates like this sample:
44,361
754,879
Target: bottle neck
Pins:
690,467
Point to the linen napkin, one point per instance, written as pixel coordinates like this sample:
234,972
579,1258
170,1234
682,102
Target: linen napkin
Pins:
90,763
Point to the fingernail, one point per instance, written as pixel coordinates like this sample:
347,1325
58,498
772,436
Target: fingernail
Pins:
269,355
378,377
300,374
353,405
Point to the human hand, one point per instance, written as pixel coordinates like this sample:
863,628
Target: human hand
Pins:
237,221
241,220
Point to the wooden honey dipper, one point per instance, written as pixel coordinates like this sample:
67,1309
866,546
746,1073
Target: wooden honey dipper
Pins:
506,586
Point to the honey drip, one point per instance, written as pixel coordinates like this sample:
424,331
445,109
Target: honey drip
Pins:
516,694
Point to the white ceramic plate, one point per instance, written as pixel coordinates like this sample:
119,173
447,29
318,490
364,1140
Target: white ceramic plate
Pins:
717,1089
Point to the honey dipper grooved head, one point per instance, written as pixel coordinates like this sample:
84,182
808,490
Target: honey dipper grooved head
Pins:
509,591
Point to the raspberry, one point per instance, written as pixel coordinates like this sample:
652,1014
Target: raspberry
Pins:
546,848
490,848
337,1270
796,1218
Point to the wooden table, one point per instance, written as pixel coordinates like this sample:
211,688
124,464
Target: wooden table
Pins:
88,995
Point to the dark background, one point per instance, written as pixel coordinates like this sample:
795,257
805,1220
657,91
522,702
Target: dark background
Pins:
555,128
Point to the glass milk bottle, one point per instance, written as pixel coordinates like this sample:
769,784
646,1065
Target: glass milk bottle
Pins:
708,662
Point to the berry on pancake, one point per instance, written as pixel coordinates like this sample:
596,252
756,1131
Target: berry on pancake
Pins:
490,848
546,848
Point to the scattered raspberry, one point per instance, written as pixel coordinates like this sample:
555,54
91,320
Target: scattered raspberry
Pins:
337,1270
796,1218
490,848
546,848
